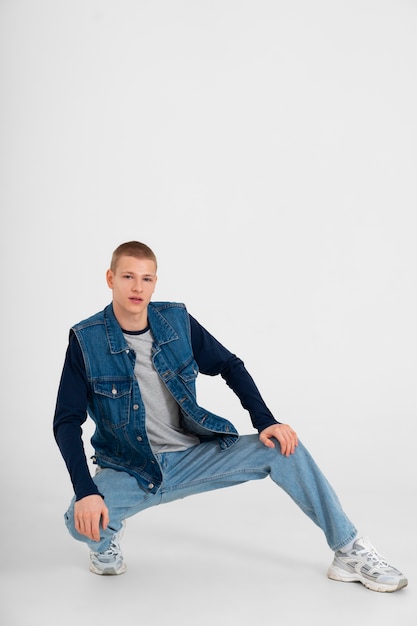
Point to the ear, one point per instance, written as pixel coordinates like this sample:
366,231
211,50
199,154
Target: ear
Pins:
109,278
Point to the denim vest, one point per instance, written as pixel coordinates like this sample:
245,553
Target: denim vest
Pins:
114,400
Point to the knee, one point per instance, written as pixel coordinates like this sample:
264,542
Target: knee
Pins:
299,456
70,524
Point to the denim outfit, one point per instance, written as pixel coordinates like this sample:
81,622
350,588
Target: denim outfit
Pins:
130,476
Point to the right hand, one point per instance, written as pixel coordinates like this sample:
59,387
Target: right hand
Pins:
88,512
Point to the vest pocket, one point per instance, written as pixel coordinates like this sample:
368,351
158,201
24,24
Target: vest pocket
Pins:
188,375
113,399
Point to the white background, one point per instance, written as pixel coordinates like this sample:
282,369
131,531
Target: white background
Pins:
266,151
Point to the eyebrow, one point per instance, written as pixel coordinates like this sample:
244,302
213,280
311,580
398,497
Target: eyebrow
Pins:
137,273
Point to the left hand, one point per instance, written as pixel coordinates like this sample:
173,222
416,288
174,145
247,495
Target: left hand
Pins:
285,436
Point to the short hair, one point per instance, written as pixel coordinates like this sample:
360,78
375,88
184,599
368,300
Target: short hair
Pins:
132,248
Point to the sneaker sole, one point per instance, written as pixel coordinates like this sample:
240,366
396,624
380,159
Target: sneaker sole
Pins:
111,571
335,573
108,571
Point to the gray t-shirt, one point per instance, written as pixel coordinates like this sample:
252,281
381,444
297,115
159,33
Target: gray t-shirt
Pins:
161,409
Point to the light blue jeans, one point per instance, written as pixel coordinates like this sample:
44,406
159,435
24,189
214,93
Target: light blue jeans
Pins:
205,467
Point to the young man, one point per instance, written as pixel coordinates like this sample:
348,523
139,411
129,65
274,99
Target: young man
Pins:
133,369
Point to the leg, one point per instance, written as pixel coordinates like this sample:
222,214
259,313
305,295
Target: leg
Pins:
123,497
206,467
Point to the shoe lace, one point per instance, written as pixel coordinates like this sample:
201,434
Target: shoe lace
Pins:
372,555
113,549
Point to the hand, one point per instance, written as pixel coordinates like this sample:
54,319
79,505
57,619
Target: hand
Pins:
284,434
87,515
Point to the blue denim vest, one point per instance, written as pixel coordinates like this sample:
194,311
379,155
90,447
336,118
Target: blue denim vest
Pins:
114,400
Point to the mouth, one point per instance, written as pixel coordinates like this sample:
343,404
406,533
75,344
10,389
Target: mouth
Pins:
136,300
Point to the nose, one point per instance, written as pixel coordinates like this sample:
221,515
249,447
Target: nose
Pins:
137,286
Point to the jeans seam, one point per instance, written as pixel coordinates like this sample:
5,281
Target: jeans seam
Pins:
213,478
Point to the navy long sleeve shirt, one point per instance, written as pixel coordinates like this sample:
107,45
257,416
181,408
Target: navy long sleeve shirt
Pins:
212,359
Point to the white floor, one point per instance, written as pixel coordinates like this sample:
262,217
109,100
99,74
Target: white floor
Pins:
230,558
266,150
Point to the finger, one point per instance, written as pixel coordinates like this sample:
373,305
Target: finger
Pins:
290,441
267,441
287,447
95,532
283,444
105,518
84,528
88,527
79,525
294,438
95,527
290,449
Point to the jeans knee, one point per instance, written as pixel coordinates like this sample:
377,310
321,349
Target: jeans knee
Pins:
69,523
301,450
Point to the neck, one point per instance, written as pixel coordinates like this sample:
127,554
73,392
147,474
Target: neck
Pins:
131,322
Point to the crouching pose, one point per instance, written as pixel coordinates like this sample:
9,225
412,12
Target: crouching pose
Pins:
133,367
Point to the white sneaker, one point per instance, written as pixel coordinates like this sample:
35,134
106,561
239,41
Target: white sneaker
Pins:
362,563
110,562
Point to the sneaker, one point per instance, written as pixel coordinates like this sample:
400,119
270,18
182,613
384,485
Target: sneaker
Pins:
110,562
362,563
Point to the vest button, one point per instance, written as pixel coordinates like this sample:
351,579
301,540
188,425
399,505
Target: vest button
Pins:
135,407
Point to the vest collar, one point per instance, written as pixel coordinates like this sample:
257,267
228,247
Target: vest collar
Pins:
162,331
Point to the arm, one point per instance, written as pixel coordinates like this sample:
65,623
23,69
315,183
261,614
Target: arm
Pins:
213,358
70,415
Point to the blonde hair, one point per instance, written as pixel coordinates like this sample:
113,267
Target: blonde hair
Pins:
132,248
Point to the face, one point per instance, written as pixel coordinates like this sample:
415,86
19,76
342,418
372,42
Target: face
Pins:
133,283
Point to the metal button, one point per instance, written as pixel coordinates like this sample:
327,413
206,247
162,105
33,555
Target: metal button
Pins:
139,438
151,486
135,407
